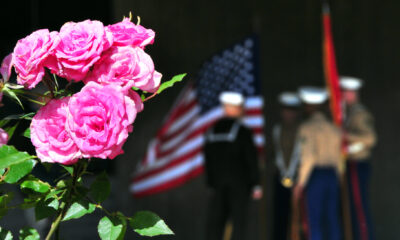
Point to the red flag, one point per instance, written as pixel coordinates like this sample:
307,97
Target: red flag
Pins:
332,81
330,69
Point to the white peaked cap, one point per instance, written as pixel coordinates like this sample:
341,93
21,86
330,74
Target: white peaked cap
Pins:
350,83
289,99
313,95
233,98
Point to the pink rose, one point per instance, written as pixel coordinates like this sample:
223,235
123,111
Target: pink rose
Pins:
136,99
127,67
5,69
126,33
99,120
30,54
48,134
3,137
81,45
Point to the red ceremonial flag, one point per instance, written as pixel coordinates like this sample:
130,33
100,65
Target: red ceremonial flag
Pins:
330,69
332,81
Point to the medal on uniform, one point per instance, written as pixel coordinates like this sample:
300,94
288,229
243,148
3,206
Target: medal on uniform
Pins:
287,182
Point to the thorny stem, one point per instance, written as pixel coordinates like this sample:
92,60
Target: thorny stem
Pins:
98,205
22,91
66,204
56,223
4,175
47,81
34,101
150,97
68,85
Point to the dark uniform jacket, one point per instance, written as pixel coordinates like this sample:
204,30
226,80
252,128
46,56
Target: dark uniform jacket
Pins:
230,155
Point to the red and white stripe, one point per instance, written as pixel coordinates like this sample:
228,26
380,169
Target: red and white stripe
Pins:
175,156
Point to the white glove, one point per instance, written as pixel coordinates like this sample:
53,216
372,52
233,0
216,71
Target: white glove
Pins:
355,148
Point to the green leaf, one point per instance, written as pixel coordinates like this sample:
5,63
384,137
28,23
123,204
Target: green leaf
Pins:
28,234
171,82
112,228
100,188
69,169
9,156
53,203
10,93
18,171
45,209
47,166
26,116
81,191
53,194
5,234
11,129
36,186
4,122
61,184
149,224
27,133
29,203
79,209
4,200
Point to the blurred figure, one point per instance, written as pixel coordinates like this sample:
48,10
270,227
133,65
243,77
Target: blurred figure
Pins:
360,138
320,143
286,152
231,169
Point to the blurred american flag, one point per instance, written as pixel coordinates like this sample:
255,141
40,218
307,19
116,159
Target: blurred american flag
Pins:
175,155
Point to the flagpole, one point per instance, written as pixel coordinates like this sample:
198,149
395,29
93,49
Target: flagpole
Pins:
332,81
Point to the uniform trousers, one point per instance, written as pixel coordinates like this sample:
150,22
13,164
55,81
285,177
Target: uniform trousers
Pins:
322,203
228,202
282,209
358,175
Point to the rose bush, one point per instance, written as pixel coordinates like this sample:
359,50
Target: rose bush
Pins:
75,126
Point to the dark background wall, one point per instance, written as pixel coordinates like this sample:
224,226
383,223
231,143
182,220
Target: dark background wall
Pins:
366,35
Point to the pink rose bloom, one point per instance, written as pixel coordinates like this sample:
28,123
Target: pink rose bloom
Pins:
30,55
5,69
3,137
99,120
126,33
136,99
81,45
48,134
127,67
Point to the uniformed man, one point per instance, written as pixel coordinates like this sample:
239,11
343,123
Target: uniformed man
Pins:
231,166
360,138
286,153
320,143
